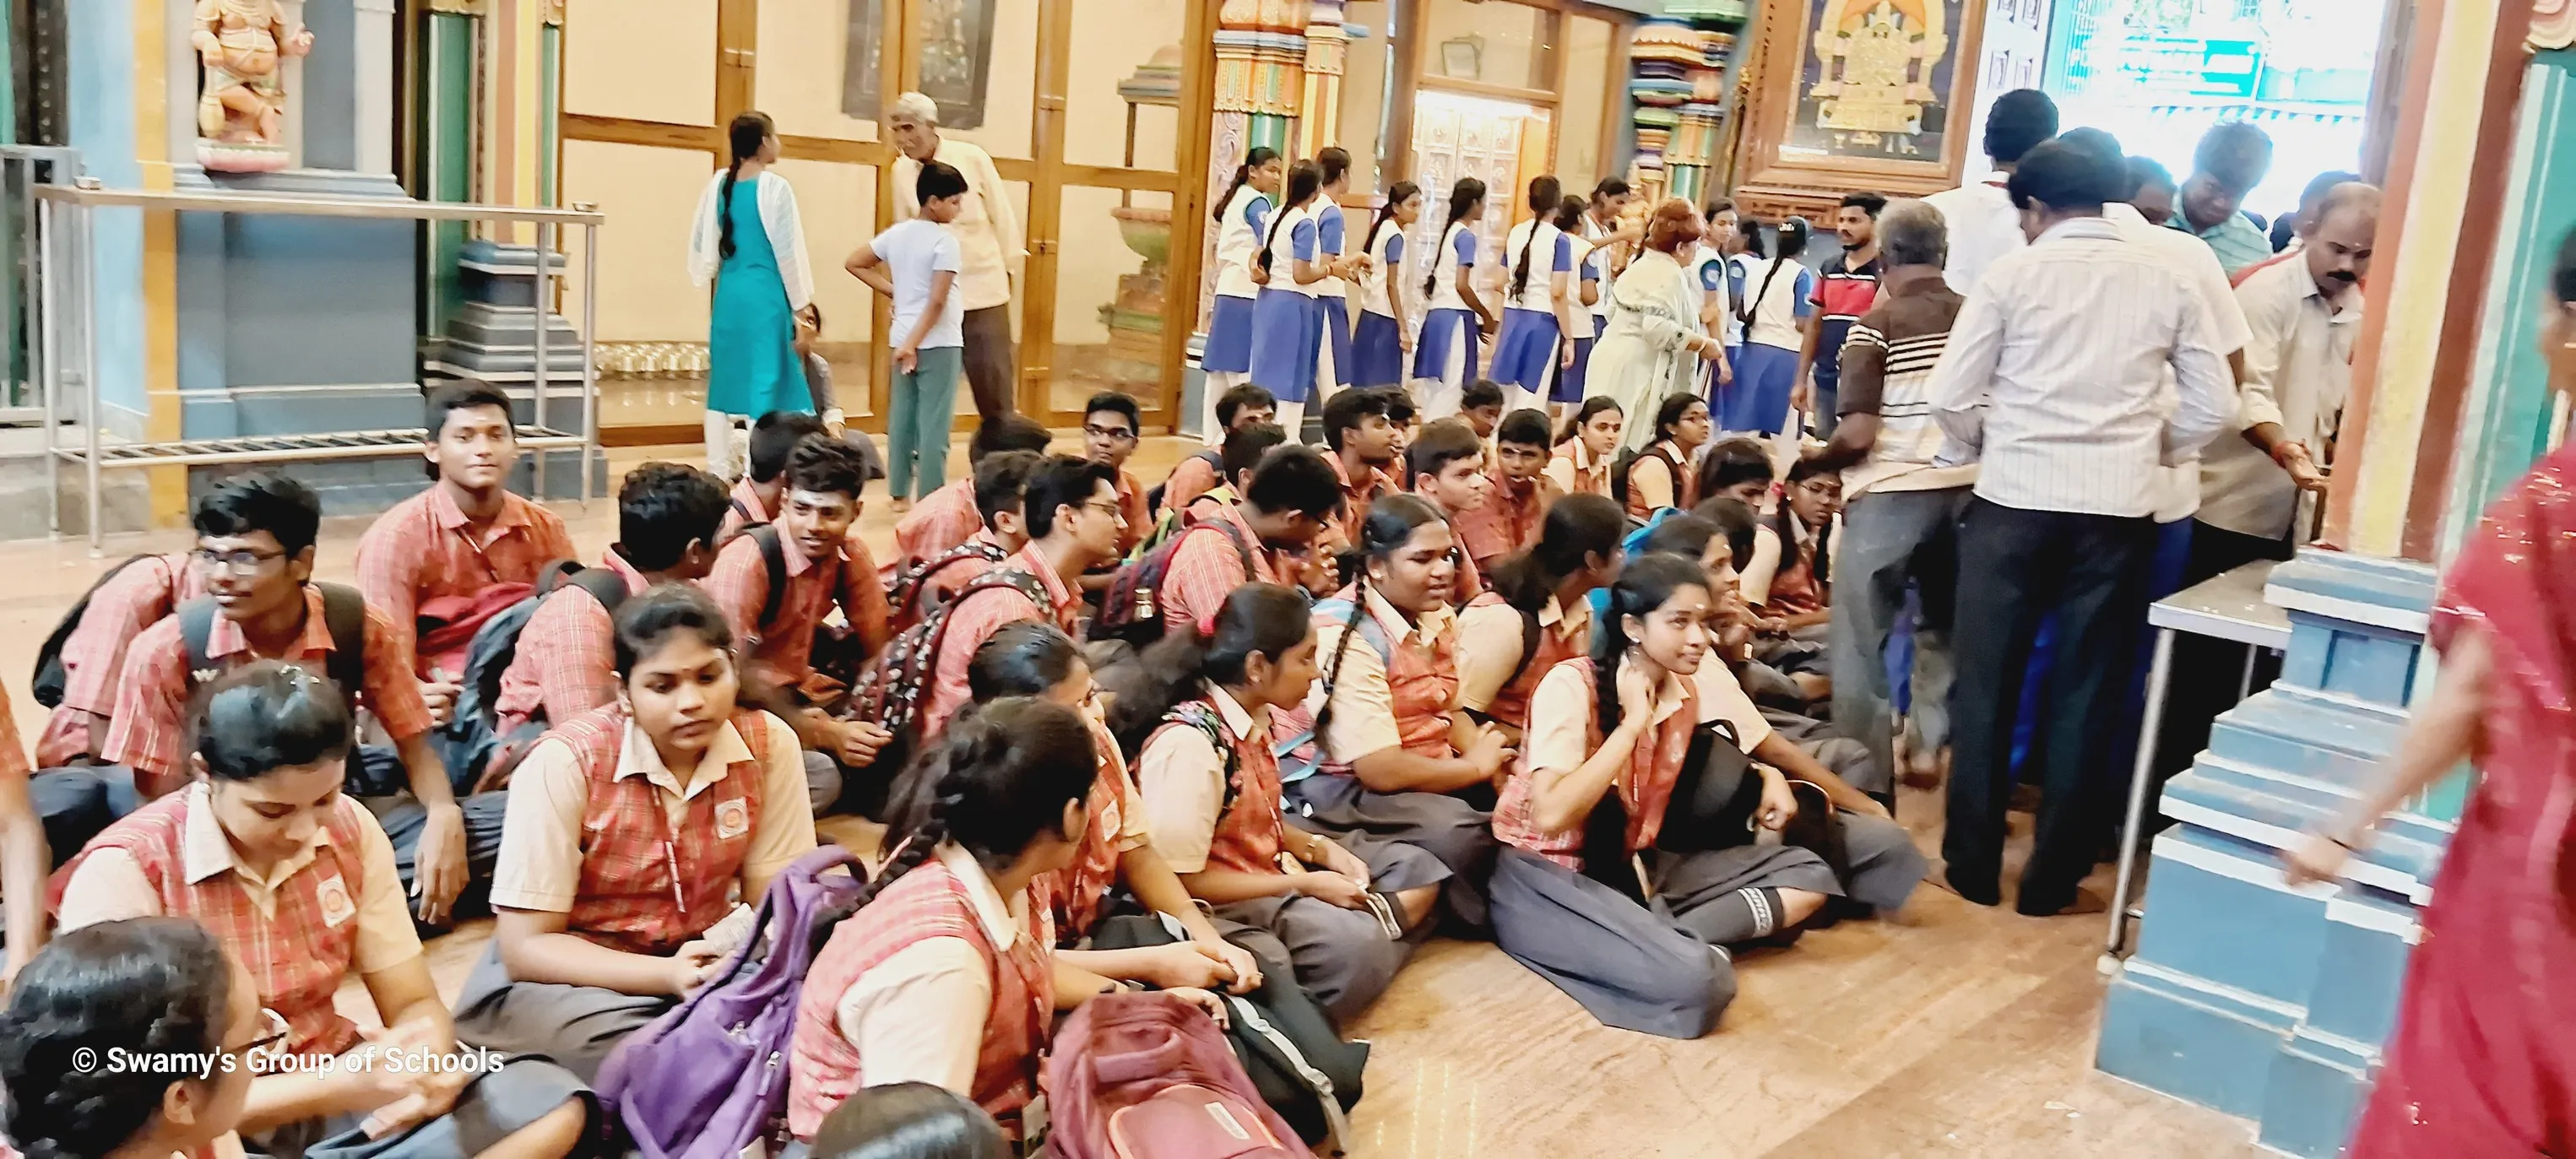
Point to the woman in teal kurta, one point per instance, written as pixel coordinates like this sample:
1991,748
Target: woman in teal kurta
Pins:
750,243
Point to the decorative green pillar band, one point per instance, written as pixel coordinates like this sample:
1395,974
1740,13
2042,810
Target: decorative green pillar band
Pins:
1269,129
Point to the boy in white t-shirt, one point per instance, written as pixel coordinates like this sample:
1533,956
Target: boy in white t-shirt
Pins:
916,263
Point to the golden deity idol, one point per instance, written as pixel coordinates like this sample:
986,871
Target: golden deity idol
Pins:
1877,58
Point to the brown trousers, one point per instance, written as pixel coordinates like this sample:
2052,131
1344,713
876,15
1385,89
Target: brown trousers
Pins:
989,360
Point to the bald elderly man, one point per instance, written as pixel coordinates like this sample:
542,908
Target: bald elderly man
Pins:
988,240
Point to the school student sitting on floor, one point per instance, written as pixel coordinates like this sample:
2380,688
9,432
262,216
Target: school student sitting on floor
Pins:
255,542
443,561
909,1121
1446,465
1239,409
938,975
667,516
1583,893
1517,492
132,596
1036,659
38,816
1366,450
1388,752
1000,482
1211,790
763,487
1661,474
1236,460
298,882
1110,424
1071,510
630,828
946,517
129,989
1580,464
1280,523
1480,405
1537,611
776,624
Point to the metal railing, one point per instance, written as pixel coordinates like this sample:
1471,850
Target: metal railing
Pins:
22,169
62,219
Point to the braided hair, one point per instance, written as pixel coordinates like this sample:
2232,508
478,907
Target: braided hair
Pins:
1577,529
1396,196
1464,196
1303,180
995,780
157,986
1255,619
745,136
1259,156
1644,585
1569,214
1543,193
1390,525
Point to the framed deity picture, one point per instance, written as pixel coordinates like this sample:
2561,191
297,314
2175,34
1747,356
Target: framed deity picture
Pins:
1880,98
954,40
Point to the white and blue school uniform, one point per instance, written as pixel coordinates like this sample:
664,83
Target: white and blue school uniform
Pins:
1733,339
1525,350
1781,295
1377,345
1445,353
1710,274
1288,318
1589,261
1332,298
1227,357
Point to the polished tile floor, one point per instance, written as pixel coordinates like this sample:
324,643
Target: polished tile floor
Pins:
1950,1030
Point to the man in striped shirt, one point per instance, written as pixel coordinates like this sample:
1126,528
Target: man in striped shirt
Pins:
1899,508
2055,377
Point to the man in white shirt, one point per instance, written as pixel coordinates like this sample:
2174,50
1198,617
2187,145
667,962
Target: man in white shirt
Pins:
2055,377
988,239
1983,225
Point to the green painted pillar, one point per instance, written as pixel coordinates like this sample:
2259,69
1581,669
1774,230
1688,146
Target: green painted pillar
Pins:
2511,418
446,142
1269,129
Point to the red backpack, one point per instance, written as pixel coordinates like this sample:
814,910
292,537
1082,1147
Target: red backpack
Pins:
1148,1076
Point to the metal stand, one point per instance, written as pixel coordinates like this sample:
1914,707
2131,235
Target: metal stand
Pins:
2227,607
53,280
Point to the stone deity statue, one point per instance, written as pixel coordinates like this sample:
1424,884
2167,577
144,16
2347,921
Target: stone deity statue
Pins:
239,112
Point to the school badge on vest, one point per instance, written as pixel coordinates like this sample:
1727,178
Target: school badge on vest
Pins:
333,896
733,819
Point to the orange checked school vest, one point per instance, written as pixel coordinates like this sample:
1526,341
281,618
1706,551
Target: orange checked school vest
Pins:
824,1068
1423,683
301,952
1660,753
1073,894
646,885
1510,704
1250,830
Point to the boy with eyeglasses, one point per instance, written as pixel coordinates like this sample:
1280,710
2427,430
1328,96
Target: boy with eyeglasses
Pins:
255,549
1075,522
1110,422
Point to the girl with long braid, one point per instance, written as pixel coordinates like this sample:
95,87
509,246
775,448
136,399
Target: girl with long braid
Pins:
750,243
1452,314
1332,294
1382,746
1384,335
1210,781
1537,609
937,975
1539,302
1584,892
1288,317
1588,289
1243,220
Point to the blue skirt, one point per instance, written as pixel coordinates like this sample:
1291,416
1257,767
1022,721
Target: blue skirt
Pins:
1337,330
1569,381
1446,334
1525,350
1229,340
1377,353
1287,334
1758,399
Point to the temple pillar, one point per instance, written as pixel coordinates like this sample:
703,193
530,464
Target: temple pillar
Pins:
1327,45
2244,994
1261,90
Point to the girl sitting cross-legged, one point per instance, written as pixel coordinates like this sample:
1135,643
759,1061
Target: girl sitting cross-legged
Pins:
1211,789
630,828
297,881
938,975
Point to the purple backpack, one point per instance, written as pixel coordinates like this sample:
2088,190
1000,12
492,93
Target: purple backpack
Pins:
708,1078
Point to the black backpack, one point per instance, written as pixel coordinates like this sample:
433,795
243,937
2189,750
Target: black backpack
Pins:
1132,609
344,612
496,643
50,676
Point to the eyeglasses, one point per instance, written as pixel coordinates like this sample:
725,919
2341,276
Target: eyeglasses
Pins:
273,1031
1822,487
1105,507
1114,434
243,559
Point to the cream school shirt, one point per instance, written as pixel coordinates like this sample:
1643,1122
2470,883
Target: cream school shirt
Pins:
919,1016
1562,711
539,868
1181,778
1364,704
110,886
1722,697
1489,645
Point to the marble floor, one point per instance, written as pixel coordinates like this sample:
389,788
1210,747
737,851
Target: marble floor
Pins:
1949,1030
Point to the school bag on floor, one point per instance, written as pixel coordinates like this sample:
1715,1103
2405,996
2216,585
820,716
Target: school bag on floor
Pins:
1148,1076
709,1078
471,740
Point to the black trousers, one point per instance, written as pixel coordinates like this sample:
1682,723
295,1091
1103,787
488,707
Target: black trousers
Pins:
2015,567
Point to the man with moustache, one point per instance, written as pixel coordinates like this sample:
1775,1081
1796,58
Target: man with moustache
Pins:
1844,291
